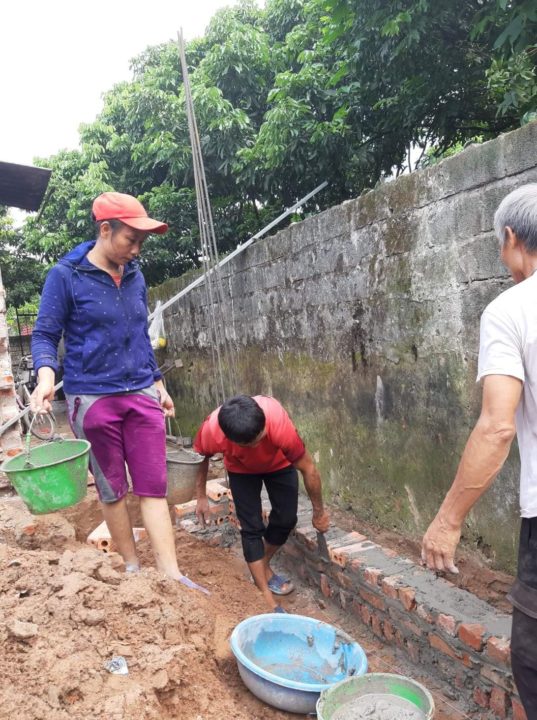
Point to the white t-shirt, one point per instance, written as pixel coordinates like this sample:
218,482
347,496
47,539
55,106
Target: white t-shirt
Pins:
508,346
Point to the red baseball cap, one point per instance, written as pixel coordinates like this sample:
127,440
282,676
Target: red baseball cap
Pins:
118,206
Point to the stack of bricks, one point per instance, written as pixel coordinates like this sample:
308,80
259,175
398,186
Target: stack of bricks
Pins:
221,510
10,440
456,636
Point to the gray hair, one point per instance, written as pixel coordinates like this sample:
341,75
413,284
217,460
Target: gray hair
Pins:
518,210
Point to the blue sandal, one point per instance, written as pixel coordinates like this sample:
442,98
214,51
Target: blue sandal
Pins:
280,609
276,584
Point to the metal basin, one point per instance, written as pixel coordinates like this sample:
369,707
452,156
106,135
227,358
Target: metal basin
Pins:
334,700
182,466
288,660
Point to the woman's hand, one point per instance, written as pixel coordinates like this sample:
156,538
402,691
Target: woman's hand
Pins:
166,403
43,394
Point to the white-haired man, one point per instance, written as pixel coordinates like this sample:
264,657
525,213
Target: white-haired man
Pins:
508,368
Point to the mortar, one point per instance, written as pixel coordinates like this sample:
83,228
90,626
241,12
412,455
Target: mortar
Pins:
182,469
334,700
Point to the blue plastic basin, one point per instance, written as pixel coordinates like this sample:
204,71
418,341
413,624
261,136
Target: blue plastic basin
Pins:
288,660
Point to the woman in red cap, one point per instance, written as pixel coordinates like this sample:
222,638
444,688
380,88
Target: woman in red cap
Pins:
96,298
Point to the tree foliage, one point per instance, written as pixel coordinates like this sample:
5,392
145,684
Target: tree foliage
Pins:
287,96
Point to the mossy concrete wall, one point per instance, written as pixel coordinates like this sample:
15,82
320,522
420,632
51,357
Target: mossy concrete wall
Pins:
364,322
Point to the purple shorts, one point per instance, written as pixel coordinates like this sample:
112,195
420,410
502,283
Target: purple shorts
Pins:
125,428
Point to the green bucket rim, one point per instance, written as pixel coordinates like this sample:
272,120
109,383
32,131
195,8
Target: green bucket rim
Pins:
388,676
5,469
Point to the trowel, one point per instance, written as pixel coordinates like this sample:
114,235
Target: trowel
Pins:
322,547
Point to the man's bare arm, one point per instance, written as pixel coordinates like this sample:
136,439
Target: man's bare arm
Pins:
484,455
312,482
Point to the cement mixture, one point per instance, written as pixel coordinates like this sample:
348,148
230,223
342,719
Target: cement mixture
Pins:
378,706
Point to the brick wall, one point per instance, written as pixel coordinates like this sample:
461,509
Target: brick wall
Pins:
459,638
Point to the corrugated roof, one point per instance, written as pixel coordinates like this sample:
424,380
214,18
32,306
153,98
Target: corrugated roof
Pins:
23,186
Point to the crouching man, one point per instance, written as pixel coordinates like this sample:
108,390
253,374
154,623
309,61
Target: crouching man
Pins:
260,445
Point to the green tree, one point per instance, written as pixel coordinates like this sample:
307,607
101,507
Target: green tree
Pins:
285,97
22,274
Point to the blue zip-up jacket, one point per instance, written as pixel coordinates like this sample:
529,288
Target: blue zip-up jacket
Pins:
107,346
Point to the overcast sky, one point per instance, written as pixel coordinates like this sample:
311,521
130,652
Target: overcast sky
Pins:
57,57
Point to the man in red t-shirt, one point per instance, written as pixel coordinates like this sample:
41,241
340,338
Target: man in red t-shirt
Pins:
260,445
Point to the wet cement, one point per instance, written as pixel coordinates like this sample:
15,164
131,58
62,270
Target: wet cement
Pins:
378,706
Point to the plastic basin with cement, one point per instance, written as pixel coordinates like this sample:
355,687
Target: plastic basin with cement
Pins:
288,660
334,701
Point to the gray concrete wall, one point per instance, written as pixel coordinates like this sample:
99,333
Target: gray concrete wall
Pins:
364,322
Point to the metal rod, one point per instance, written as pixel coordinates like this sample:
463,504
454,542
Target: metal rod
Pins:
243,246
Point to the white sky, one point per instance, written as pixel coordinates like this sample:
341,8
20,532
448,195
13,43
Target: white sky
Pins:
57,57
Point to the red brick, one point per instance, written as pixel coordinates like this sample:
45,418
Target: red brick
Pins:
376,624
481,697
499,650
325,585
469,662
438,644
497,677
344,599
335,546
356,608
365,614
343,555
389,631
389,585
372,599
372,576
498,702
399,639
344,580
447,623
412,628
306,535
424,614
413,650
408,598
471,634
184,509
518,711
291,549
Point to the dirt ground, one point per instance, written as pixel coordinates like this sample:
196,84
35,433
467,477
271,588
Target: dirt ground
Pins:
65,611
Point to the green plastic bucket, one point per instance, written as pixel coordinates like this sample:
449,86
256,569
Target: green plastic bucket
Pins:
337,696
57,478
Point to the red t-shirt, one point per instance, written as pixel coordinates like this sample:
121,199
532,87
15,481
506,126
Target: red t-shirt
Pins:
280,447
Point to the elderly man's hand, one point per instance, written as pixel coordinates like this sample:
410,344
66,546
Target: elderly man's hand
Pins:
439,545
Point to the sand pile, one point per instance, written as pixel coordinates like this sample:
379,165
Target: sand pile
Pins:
65,611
